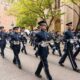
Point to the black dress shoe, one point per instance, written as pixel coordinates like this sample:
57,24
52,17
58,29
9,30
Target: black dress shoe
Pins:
34,48
3,56
61,64
39,76
22,50
19,67
50,78
36,55
77,70
53,53
26,53
14,62
60,55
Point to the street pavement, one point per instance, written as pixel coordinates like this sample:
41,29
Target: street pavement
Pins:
9,71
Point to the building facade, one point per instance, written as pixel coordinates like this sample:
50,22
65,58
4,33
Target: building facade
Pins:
69,16
6,20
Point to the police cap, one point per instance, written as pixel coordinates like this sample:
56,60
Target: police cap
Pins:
1,27
15,28
69,24
42,23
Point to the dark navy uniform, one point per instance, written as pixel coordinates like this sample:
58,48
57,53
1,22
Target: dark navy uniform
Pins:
24,40
57,41
43,52
9,36
68,38
35,42
78,41
32,38
15,45
3,37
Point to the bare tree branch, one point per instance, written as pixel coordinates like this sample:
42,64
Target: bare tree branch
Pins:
75,3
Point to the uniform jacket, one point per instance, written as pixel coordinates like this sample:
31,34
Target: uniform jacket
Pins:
3,37
42,36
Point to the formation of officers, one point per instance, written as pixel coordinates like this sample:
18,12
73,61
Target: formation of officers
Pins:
42,41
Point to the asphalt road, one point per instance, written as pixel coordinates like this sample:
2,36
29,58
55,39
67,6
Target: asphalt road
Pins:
8,71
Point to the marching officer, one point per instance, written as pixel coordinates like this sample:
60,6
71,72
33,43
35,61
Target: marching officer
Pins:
68,38
43,51
24,40
78,41
35,42
57,41
3,37
15,45
9,35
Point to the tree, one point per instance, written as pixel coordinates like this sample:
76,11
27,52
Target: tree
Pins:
57,19
27,21
24,17
43,9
